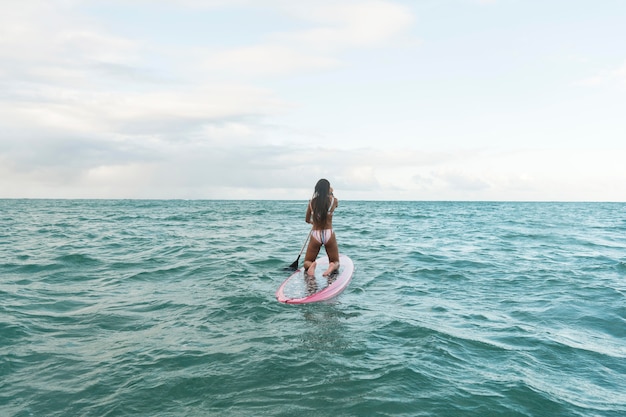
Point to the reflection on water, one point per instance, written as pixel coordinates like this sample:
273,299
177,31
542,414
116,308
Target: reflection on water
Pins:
326,327
311,284
315,283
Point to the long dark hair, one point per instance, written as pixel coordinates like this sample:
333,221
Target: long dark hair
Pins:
320,203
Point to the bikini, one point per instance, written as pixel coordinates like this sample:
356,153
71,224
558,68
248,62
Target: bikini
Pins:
324,235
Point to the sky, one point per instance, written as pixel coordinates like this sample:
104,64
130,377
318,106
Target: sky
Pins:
468,100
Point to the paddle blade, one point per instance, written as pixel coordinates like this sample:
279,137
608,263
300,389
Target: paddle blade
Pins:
295,263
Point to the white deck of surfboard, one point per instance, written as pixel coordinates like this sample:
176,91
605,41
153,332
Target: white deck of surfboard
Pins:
300,288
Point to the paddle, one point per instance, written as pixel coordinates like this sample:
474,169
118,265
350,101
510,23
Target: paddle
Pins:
294,265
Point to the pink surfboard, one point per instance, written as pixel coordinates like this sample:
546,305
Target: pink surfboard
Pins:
300,288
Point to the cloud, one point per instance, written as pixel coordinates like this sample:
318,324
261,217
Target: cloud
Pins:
63,71
463,181
48,41
532,174
117,113
84,107
333,24
89,111
614,78
195,169
268,59
350,24
335,27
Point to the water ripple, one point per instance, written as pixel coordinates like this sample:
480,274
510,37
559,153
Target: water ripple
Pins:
166,308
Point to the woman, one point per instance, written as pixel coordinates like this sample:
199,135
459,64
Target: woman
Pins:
319,213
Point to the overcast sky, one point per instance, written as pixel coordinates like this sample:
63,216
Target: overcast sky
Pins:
258,99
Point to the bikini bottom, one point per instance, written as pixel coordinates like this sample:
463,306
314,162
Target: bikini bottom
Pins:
322,236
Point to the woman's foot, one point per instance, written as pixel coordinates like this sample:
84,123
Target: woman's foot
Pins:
311,270
332,267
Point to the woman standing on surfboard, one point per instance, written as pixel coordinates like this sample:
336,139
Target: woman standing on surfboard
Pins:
319,213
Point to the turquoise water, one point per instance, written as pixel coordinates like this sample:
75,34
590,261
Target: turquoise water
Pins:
167,308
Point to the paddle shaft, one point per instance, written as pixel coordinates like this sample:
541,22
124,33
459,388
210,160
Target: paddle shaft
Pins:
294,265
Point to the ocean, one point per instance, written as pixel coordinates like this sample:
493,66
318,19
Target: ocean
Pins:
167,308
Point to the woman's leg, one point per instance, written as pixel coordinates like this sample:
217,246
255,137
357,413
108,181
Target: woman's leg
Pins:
332,250
311,254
